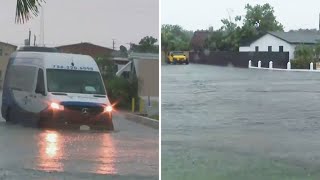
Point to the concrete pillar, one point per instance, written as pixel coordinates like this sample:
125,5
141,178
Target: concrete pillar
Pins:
259,64
249,65
311,66
289,65
270,65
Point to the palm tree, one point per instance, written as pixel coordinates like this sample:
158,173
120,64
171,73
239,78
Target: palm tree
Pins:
26,9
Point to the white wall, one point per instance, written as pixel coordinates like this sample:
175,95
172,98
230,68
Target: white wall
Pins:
244,48
127,69
269,40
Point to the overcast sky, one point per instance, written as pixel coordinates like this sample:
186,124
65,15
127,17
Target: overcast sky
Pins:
200,14
95,21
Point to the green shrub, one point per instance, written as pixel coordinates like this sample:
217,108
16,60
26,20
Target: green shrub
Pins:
121,91
304,55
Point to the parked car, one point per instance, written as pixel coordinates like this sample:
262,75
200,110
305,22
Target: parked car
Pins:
177,57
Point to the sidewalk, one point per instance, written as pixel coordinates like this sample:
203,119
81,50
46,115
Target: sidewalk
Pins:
141,119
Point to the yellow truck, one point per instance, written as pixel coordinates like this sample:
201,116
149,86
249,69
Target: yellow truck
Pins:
177,57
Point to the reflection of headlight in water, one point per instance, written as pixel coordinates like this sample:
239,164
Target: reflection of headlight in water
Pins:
51,150
51,137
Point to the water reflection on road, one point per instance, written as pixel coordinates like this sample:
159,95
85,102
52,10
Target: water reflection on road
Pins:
129,152
54,149
50,151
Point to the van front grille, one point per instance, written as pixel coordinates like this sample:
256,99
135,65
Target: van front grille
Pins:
88,109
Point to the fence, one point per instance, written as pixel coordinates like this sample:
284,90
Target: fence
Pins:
288,68
240,59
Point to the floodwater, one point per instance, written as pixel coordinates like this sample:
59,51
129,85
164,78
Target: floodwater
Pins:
230,123
131,152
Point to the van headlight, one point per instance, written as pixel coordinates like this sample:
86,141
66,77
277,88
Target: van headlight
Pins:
108,109
56,106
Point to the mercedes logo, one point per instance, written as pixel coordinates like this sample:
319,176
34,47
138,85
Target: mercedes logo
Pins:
84,111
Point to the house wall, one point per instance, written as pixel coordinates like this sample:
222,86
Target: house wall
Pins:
148,75
6,50
244,48
269,40
147,71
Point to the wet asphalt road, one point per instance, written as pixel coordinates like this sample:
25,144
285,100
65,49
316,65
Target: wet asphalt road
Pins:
228,123
131,152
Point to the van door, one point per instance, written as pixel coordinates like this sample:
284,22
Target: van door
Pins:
22,81
39,94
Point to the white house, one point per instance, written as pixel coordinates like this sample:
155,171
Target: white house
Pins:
281,42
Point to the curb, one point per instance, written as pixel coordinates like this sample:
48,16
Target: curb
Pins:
142,120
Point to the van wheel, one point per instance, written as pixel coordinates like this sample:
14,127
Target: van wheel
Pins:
9,116
107,125
187,62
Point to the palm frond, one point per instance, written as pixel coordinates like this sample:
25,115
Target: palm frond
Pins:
26,9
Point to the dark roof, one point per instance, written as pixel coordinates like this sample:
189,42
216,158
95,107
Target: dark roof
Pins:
8,44
248,41
199,38
298,37
83,44
38,49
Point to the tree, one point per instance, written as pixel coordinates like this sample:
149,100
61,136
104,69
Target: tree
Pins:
146,45
304,55
123,51
258,20
107,67
174,37
25,9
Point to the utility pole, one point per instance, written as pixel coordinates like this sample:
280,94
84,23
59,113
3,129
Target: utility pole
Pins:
42,26
34,40
29,43
113,44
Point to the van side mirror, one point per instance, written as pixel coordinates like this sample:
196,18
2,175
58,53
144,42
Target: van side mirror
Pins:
40,91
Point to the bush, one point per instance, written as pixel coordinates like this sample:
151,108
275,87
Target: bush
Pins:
304,55
302,64
121,91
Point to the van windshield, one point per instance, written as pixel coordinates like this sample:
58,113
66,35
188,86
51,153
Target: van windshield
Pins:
71,81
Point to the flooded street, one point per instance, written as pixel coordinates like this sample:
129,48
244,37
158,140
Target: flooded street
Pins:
228,123
131,152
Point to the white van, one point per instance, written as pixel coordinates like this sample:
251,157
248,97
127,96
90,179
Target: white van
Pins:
55,89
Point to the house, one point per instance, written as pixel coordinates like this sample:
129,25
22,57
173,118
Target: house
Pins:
5,51
281,42
146,68
86,48
198,40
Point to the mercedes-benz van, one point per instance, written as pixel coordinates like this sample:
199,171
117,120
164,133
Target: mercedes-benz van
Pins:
55,89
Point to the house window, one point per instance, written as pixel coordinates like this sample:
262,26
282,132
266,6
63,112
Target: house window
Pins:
280,48
257,48
269,48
